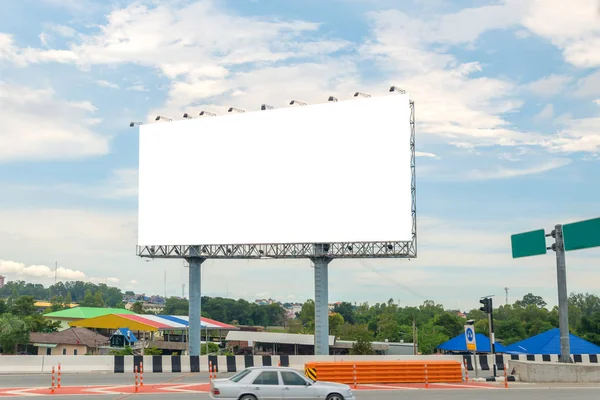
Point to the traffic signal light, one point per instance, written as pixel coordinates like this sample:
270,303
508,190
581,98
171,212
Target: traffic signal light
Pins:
487,305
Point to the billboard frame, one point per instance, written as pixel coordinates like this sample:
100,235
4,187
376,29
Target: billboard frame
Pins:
389,249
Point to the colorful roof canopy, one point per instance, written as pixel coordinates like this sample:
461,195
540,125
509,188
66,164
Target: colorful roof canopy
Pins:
86,312
149,323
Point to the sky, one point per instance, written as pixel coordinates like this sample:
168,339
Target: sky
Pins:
507,97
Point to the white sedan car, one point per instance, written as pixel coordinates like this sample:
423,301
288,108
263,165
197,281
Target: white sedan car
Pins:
258,383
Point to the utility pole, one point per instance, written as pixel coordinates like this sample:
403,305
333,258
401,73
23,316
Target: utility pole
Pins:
414,326
183,290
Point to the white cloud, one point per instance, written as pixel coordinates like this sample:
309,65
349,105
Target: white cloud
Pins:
450,102
137,88
503,172
107,84
546,113
579,135
44,38
548,86
597,101
571,26
589,86
17,270
65,31
40,126
425,154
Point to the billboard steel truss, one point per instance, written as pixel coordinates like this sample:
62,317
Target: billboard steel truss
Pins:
402,249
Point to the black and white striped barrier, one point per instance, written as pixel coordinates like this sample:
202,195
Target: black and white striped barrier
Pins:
177,364
486,362
185,364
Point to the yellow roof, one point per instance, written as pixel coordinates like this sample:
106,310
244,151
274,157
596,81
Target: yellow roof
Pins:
114,321
48,304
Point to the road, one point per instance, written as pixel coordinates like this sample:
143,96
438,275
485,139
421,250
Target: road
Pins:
197,381
476,394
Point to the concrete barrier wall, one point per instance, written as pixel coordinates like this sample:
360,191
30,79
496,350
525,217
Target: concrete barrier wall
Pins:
167,364
541,372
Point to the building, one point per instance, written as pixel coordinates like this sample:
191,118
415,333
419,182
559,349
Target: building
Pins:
2,281
41,305
72,342
269,343
79,313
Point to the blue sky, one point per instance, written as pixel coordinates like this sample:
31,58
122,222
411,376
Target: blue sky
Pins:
507,96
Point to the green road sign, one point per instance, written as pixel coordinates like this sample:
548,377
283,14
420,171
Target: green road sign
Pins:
582,234
528,243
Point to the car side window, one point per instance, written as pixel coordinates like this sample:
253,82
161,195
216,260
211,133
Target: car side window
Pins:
267,378
292,379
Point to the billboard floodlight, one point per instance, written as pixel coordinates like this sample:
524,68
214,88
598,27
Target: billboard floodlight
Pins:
239,110
133,123
397,89
332,98
300,103
210,114
266,107
159,117
361,94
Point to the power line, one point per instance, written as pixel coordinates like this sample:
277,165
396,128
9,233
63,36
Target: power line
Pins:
400,285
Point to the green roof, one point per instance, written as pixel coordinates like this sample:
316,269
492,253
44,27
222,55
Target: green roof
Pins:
86,312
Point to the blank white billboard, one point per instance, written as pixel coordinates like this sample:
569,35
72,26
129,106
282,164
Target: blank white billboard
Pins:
332,172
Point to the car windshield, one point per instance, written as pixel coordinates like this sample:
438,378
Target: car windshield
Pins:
237,377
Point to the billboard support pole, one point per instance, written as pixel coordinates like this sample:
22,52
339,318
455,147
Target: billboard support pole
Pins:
321,262
563,301
195,301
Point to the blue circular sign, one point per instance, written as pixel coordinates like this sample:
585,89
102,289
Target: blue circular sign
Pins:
469,334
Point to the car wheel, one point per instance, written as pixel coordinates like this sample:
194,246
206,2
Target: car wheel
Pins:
335,396
247,397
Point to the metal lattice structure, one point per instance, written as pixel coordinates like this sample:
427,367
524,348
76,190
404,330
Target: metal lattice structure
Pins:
403,249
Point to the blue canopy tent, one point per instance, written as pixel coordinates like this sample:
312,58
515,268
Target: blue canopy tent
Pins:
459,344
122,337
549,343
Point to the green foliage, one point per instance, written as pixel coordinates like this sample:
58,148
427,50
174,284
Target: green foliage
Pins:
335,323
13,331
138,307
212,348
152,351
126,351
73,291
361,347
176,306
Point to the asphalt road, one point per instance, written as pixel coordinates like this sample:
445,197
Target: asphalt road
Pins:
474,394
101,378
517,391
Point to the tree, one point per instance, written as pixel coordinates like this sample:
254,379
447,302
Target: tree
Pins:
98,300
346,310
212,348
531,300
138,307
23,306
361,347
88,300
13,331
307,316
335,322
176,306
